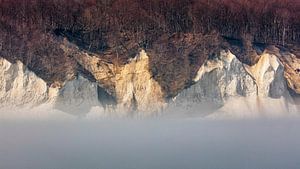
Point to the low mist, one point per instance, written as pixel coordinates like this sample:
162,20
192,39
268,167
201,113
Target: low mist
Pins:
162,143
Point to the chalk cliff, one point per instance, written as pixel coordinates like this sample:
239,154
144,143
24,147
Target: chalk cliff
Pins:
223,86
226,86
21,88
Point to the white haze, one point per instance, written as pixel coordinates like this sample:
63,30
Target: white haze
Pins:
162,143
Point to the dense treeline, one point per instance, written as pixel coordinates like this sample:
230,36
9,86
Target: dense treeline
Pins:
92,22
177,34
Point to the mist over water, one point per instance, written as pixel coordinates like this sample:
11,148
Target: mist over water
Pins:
177,143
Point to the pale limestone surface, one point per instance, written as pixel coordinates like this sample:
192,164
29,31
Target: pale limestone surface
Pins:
225,86
19,86
131,84
22,89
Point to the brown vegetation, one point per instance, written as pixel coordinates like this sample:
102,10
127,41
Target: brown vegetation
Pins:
178,34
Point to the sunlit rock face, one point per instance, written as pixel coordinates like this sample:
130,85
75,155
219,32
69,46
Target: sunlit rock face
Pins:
268,74
292,70
132,85
224,79
218,79
19,86
223,86
121,90
135,87
20,89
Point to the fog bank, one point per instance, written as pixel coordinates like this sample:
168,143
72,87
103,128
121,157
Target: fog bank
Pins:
146,144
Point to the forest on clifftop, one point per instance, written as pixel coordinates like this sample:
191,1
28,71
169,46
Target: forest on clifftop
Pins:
178,35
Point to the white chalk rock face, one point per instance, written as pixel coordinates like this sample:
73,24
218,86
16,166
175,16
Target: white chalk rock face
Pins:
21,89
77,96
218,79
224,78
135,92
19,86
268,74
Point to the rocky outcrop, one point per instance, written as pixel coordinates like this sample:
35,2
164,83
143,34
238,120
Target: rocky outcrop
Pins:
268,75
292,70
131,84
121,90
135,87
224,79
21,88
218,79
77,96
223,86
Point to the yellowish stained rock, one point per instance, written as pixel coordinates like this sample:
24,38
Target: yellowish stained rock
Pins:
131,84
292,70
